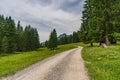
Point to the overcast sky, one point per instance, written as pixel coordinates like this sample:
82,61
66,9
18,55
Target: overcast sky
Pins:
63,15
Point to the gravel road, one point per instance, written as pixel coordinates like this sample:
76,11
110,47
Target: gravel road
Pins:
67,65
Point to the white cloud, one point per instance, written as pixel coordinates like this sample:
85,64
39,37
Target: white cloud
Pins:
45,18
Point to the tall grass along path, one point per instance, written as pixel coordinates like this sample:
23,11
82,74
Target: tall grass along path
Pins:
67,65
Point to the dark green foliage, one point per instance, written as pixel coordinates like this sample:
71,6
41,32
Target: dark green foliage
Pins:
30,39
75,37
63,39
46,43
8,29
14,38
5,45
1,30
11,34
19,39
66,39
100,20
70,38
53,40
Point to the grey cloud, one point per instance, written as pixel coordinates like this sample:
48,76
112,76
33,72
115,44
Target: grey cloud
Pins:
64,15
40,2
72,6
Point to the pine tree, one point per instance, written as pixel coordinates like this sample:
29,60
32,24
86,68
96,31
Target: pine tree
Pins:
70,39
53,40
19,40
85,28
5,45
75,37
2,21
30,39
46,43
99,20
37,40
14,38
63,39
10,30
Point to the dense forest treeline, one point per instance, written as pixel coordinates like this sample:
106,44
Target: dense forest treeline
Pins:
14,38
62,39
66,39
101,21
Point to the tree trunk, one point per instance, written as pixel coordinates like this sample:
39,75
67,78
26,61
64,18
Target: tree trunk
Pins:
107,24
91,44
107,42
100,44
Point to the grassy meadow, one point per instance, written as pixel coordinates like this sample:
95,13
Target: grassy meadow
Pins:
103,63
11,63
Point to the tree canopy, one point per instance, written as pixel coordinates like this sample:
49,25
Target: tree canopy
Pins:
100,20
52,44
15,38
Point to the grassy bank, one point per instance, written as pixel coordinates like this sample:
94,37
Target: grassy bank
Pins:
11,63
103,63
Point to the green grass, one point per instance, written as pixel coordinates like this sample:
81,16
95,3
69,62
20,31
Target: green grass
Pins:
103,63
11,63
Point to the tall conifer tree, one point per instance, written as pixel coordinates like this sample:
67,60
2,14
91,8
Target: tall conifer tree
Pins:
53,40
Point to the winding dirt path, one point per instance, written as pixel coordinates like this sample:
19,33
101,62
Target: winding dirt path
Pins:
67,65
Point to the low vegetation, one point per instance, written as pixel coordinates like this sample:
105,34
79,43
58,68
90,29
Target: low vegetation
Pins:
103,63
11,63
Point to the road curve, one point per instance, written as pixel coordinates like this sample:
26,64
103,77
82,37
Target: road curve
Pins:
67,65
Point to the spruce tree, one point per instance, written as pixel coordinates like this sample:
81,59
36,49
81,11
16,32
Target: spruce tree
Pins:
53,40
99,21
15,38
30,39
5,45
75,37
19,40
10,29
37,40
46,43
63,39
70,39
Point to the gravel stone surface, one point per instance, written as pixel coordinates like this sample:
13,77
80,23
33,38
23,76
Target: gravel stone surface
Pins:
67,65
